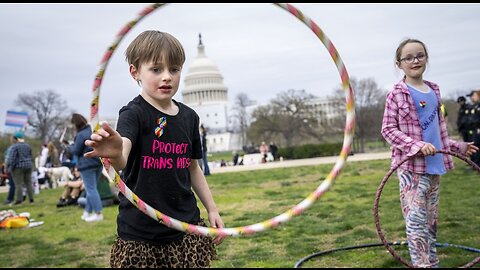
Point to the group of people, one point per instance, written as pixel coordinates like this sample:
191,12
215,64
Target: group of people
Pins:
265,149
20,166
468,121
74,193
412,124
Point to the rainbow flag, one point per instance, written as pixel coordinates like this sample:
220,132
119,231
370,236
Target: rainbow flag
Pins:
16,119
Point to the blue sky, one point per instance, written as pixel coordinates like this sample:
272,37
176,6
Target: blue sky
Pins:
260,49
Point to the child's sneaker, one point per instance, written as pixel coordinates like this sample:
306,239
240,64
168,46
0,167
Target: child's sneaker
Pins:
94,217
85,215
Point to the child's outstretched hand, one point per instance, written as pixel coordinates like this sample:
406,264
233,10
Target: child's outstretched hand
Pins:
216,222
106,142
471,149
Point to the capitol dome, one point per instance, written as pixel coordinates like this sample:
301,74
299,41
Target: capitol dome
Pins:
203,81
206,94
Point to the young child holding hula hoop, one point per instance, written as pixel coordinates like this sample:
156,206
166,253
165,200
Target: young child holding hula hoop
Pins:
157,145
413,124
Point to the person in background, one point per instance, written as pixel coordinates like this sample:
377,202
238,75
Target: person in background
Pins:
273,149
203,134
42,161
20,163
3,174
72,190
90,169
462,119
108,193
264,151
474,123
66,156
235,158
53,156
8,175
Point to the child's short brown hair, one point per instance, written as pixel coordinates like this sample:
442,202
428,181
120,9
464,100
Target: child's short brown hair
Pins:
155,46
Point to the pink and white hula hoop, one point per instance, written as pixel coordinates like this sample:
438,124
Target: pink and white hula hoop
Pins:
261,226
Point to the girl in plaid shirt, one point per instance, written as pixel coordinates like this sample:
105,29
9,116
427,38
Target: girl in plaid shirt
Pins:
413,125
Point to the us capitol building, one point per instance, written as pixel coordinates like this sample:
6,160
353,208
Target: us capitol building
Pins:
206,93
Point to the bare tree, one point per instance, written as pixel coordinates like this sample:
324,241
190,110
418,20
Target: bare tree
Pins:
47,112
241,103
287,116
369,107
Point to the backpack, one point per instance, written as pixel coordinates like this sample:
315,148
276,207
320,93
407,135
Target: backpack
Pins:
14,222
10,219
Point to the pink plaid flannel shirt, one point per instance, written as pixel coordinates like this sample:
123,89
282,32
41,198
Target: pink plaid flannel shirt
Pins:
401,129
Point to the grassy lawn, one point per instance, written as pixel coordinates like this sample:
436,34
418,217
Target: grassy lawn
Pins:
342,217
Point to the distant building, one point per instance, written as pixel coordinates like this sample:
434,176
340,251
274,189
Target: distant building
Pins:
325,110
206,93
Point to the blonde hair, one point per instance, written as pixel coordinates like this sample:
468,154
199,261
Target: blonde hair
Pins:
51,147
155,46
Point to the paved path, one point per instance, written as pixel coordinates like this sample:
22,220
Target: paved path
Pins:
288,163
3,189
301,162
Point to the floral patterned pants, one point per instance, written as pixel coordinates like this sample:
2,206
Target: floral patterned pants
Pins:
419,199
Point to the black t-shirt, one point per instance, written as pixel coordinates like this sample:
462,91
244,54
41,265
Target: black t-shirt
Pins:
157,169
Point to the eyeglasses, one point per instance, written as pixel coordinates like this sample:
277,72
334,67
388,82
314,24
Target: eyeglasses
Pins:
410,59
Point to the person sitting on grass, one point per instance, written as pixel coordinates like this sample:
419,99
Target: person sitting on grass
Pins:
72,190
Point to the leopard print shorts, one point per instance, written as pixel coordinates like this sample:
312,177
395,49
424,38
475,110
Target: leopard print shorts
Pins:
191,251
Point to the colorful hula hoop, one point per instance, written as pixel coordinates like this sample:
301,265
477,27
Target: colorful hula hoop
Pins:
396,243
377,200
254,228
